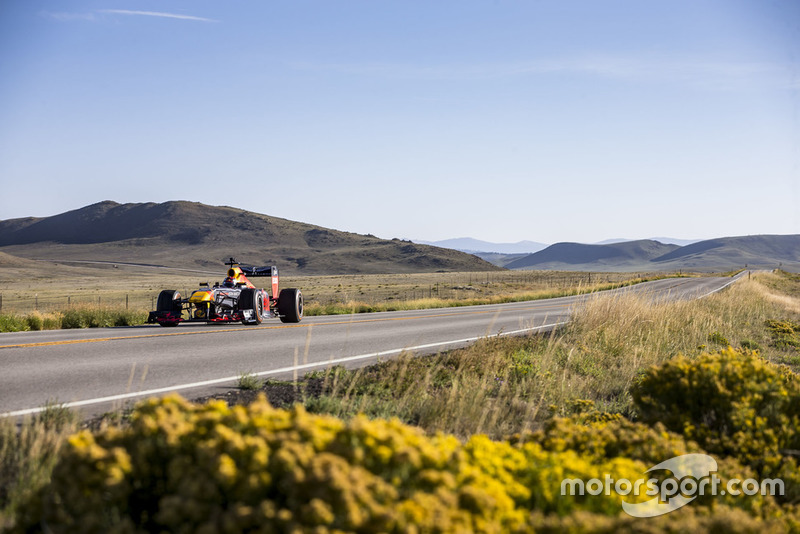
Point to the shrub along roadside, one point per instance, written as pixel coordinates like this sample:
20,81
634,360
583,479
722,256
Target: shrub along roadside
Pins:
181,467
76,317
733,404
28,455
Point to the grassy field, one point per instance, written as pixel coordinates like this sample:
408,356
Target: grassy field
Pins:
33,297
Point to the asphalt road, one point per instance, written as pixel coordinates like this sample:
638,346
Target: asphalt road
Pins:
97,370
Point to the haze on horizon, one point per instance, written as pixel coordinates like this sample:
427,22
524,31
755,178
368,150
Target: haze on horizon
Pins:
503,121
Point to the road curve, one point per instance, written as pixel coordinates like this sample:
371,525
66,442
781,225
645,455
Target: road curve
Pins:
101,369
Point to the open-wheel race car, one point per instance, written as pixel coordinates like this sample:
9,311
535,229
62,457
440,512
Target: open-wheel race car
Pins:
236,299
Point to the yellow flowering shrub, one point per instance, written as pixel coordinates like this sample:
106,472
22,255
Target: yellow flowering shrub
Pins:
785,334
600,437
183,467
733,404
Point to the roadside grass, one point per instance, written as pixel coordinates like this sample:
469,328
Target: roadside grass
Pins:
503,386
28,453
84,316
357,306
249,382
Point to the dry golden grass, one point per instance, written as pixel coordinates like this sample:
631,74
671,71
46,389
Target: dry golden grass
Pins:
47,287
27,456
508,385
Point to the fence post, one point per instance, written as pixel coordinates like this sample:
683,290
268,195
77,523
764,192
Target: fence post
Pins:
126,301
1,302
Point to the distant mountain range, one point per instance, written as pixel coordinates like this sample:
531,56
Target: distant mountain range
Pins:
468,244
723,254
656,254
614,254
484,248
194,235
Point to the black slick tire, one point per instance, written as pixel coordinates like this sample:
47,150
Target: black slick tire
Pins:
290,305
252,299
169,300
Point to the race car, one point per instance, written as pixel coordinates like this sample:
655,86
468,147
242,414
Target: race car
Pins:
236,299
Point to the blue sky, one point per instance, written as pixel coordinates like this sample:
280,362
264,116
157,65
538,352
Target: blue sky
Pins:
548,120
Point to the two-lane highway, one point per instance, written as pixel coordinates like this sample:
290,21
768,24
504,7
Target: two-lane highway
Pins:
99,369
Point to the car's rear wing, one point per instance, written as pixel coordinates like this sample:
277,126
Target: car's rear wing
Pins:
249,270
271,271
259,271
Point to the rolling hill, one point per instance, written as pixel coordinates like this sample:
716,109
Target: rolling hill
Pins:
190,234
722,254
754,251
573,256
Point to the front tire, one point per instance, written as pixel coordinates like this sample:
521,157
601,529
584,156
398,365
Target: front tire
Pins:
169,300
290,305
252,299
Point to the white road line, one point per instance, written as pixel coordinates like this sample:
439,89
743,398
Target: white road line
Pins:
151,392
734,279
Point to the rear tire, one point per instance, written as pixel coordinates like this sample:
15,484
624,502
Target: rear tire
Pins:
290,305
252,299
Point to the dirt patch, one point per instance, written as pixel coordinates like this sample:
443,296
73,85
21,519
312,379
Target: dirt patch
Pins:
279,394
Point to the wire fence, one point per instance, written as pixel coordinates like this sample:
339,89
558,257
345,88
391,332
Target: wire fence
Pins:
10,303
370,289
461,286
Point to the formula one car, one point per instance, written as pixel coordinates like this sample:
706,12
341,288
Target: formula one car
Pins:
235,300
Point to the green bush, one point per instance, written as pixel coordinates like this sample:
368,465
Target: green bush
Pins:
718,339
249,382
750,345
733,404
602,437
785,334
34,321
12,323
88,317
78,317
75,318
28,452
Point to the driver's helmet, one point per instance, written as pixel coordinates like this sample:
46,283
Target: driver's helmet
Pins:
229,282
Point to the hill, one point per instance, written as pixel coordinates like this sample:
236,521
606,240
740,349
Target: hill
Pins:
768,251
577,256
665,240
190,234
722,254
